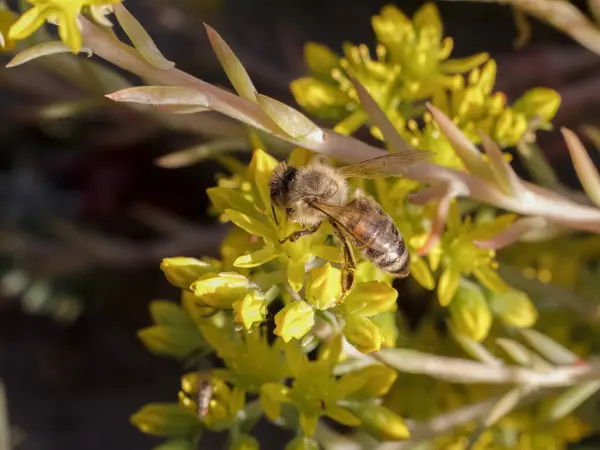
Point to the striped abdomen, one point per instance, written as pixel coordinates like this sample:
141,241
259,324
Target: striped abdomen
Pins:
395,261
380,241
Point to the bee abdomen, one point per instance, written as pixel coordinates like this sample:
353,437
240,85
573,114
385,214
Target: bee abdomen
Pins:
395,262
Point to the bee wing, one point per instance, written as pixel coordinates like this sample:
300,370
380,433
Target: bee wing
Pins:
394,164
356,223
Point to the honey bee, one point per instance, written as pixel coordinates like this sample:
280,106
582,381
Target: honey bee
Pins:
318,193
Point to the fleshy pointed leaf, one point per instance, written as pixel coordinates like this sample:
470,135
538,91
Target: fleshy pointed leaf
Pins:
573,397
456,370
379,119
43,49
293,122
140,39
549,348
464,148
183,109
522,355
586,171
194,155
234,69
504,174
513,233
475,349
160,95
505,405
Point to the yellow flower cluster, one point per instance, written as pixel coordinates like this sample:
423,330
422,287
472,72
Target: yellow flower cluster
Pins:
412,65
64,13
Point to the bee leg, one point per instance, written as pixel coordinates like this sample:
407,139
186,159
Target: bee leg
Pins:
349,265
274,214
298,234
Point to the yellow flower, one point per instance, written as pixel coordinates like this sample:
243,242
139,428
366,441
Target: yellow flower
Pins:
251,309
315,391
294,320
182,271
368,299
381,422
220,290
514,308
362,333
461,256
469,311
64,12
324,287
249,359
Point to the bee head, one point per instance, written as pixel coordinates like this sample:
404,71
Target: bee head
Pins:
280,183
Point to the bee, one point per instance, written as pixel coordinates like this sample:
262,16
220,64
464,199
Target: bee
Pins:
202,395
318,193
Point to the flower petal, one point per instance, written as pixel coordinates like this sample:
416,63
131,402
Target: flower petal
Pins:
250,224
447,286
257,258
295,274
342,416
29,22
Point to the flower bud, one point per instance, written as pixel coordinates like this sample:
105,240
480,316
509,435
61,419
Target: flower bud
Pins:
469,312
252,308
182,271
220,290
319,98
320,59
369,382
166,420
541,102
302,443
294,320
245,442
362,333
324,287
368,299
514,308
381,423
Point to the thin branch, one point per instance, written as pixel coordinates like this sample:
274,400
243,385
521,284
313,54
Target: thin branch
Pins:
533,201
464,371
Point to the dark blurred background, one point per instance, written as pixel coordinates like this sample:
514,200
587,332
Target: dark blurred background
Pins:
86,215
